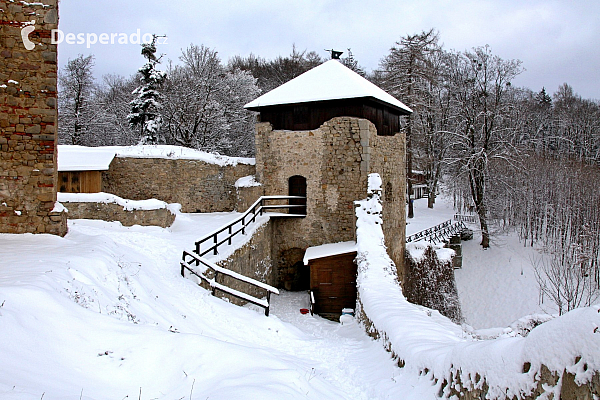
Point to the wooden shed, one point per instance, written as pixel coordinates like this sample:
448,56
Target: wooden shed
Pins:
327,91
80,168
332,277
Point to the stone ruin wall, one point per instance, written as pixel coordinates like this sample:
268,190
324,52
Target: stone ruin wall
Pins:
197,185
28,120
335,159
387,158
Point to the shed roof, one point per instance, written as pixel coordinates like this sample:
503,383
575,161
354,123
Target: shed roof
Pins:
328,250
328,81
80,158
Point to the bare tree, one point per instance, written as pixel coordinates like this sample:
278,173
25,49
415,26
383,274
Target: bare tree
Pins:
480,85
406,74
204,104
75,102
273,73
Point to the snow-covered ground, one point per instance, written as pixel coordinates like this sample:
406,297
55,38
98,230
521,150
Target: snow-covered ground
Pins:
496,286
104,314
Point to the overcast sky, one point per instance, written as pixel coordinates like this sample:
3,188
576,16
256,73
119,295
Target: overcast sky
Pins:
557,41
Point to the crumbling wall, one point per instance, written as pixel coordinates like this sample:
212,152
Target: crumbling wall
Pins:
197,185
162,217
28,118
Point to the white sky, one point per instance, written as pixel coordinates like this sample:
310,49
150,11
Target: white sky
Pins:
556,40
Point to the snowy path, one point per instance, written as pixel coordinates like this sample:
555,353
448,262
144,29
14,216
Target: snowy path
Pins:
346,356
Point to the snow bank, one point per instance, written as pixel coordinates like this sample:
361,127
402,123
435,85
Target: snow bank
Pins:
88,158
416,250
107,198
427,343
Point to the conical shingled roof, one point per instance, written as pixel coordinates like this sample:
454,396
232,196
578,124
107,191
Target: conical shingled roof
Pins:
329,81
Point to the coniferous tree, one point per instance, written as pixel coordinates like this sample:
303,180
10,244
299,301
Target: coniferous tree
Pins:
145,108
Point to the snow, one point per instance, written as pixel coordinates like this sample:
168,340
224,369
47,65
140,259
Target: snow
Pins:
247,181
328,81
101,197
496,286
80,158
328,250
431,344
58,208
13,81
104,314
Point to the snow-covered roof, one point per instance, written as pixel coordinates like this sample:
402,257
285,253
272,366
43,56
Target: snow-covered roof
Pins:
329,81
328,250
80,158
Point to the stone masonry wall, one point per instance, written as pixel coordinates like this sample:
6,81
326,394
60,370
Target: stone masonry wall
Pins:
252,260
198,186
387,158
162,217
28,119
335,160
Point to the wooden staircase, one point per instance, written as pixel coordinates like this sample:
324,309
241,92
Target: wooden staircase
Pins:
194,262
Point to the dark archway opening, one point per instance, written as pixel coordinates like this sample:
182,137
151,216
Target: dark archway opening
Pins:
297,187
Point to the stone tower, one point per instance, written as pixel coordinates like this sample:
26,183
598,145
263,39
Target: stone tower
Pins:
320,135
28,118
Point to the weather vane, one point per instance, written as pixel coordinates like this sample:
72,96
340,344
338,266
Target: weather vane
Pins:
335,55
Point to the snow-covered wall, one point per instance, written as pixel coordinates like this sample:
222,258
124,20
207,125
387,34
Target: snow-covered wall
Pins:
199,181
559,357
108,207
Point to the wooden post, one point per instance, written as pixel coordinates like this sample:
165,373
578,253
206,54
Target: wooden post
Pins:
268,303
215,252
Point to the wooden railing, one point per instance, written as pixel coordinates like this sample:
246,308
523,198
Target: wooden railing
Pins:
438,233
239,225
201,268
194,263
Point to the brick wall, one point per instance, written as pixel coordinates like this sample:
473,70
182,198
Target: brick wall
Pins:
28,120
198,186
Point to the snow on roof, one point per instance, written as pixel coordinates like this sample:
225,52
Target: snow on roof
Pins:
328,250
329,81
80,158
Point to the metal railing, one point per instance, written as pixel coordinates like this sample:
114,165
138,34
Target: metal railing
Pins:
438,233
472,219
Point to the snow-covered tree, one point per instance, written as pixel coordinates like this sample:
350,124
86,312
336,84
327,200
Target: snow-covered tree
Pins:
145,108
273,73
204,102
408,75
480,86
76,104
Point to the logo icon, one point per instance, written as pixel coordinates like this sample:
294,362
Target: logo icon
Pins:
29,45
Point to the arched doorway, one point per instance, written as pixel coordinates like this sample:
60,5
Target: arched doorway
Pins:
297,187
